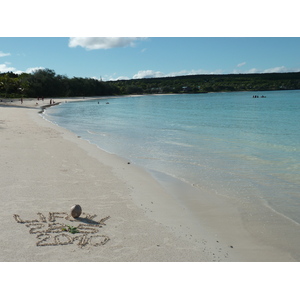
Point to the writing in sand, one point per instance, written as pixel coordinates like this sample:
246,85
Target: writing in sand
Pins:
55,231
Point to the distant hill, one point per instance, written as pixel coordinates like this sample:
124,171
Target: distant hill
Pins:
45,83
210,83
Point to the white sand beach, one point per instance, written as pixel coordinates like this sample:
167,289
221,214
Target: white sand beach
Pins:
127,215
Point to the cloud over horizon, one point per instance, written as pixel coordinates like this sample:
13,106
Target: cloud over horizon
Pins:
94,43
158,74
32,70
4,68
281,69
148,74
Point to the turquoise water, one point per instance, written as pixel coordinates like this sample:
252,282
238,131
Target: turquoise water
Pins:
231,143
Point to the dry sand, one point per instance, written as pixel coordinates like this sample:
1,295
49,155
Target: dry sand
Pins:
127,214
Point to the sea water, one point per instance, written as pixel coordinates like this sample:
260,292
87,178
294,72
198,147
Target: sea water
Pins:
232,144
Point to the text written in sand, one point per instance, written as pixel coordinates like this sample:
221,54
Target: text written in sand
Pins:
52,231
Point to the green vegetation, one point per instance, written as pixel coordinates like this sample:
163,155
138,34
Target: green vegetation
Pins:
70,229
45,83
211,83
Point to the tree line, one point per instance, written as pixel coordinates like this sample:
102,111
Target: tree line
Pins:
211,83
46,83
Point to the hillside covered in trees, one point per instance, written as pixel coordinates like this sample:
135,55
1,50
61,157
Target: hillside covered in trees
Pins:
45,83
211,83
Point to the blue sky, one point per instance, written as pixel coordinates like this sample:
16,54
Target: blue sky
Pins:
127,58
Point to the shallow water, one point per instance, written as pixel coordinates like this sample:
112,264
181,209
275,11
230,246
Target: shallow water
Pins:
230,143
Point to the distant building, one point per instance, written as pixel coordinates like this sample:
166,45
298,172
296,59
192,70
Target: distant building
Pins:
186,89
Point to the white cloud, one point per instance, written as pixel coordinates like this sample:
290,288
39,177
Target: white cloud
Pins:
113,77
241,64
281,69
32,70
2,54
120,78
156,74
199,72
184,72
148,74
276,70
4,68
92,43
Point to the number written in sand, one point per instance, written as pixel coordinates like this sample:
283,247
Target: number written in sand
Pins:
83,240
50,233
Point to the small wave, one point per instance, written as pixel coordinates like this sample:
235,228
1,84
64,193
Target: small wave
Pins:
149,158
178,144
96,133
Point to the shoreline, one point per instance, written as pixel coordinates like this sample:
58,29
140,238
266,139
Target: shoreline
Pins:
47,169
185,232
